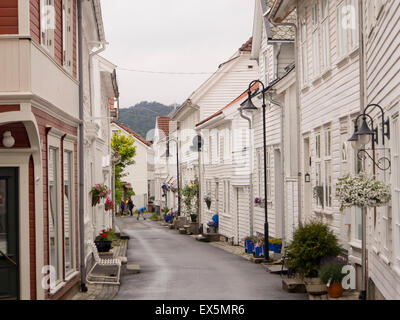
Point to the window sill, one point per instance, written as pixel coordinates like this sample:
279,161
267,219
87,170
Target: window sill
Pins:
57,288
316,81
71,275
305,88
342,61
384,259
324,212
356,244
326,73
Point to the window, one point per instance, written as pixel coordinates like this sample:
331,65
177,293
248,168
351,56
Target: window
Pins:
210,149
217,197
260,172
323,169
325,34
354,23
269,193
316,43
53,216
222,147
47,24
266,68
67,18
68,212
342,28
304,51
396,182
358,224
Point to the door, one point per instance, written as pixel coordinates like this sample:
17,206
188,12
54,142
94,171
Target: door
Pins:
307,182
9,287
278,194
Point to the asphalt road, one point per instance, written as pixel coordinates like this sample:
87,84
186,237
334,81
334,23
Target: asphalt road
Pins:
177,267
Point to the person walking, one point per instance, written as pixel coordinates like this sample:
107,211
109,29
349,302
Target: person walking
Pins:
122,206
130,206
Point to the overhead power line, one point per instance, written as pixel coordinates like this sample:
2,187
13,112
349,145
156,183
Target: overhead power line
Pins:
177,73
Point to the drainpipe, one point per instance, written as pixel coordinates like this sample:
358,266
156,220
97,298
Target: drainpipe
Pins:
296,50
282,162
278,53
81,157
251,200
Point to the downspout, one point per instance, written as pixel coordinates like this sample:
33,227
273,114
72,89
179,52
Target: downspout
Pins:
296,50
81,157
251,198
282,163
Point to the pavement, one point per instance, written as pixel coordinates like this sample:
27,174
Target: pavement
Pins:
177,267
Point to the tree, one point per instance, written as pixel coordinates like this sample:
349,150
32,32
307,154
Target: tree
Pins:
124,146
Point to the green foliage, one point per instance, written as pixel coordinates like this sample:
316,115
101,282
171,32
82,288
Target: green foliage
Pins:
332,271
190,195
142,117
275,241
311,243
155,217
106,235
124,146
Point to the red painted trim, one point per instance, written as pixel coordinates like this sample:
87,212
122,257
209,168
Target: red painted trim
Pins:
9,17
9,108
32,229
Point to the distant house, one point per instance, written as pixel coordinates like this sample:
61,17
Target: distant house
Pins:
137,178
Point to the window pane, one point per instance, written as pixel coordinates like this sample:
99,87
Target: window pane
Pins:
53,211
3,216
68,213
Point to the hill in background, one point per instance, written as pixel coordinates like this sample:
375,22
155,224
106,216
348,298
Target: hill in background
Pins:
141,118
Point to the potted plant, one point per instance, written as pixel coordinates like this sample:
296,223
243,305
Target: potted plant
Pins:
109,205
99,191
190,195
249,244
331,274
104,240
207,199
212,227
361,191
311,243
276,245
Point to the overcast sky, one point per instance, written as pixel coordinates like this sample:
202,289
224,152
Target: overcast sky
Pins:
171,36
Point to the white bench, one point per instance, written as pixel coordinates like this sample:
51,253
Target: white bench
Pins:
111,263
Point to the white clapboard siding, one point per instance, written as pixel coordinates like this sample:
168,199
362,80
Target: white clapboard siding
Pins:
383,74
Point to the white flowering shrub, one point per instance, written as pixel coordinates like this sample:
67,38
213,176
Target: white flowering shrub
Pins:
362,191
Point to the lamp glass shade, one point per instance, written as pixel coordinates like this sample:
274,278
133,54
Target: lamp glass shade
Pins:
8,139
365,139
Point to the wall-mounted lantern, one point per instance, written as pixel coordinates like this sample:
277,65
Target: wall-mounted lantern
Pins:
307,178
8,140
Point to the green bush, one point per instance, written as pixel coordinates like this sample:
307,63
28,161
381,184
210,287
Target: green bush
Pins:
311,243
155,217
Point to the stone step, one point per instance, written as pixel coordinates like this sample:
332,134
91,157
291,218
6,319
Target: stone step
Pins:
276,269
132,268
202,238
124,260
293,285
256,260
182,230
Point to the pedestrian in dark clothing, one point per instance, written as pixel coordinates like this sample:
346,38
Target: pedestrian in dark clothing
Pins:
130,206
122,207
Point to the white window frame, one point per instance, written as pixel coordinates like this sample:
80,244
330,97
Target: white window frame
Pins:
67,25
304,51
395,125
54,143
316,39
325,36
70,150
260,184
47,25
342,29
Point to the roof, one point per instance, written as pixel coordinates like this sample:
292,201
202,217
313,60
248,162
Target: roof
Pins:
163,124
136,135
246,47
242,96
280,32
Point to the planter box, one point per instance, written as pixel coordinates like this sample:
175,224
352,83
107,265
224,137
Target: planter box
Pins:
315,286
103,246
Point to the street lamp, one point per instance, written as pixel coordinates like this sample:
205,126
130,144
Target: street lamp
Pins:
251,108
167,155
362,137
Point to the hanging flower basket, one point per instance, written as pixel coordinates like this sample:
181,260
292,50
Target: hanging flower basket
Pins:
98,192
361,191
207,199
109,205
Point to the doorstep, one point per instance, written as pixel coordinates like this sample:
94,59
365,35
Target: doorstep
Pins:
293,285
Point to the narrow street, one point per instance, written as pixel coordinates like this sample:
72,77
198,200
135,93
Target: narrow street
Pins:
177,267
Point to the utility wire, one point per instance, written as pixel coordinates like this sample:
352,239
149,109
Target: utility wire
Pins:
178,73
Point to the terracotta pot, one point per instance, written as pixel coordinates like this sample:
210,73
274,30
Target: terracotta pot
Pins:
315,286
335,290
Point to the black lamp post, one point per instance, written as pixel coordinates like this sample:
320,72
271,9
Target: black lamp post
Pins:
250,107
177,171
363,136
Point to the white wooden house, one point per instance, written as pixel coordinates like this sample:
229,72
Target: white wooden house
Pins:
382,65
136,177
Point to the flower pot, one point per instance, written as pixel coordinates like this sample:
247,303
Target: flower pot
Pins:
335,290
277,248
315,286
270,247
249,246
95,201
193,217
257,252
103,246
